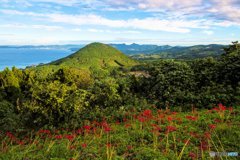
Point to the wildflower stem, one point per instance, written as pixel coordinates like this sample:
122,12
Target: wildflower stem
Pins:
181,153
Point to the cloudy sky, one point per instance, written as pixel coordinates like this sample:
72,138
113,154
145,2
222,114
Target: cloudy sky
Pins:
173,22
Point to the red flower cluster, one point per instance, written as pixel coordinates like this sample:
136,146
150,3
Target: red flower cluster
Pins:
192,155
87,127
222,108
69,137
84,145
212,126
171,129
147,113
44,131
58,137
170,119
10,135
192,118
141,119
204,145
207,135
155,127
106,127
128,125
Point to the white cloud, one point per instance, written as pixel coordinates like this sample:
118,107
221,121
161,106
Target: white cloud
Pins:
36,26
154,24
226,9
208,32
113,31
154,4
21,13
33,41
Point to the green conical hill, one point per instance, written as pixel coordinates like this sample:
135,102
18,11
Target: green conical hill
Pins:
96,55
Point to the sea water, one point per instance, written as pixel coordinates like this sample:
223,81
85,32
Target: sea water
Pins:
23,57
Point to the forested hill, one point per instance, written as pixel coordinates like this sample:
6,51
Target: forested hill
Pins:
96,55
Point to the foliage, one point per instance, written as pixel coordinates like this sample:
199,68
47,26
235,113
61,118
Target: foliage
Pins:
147,134
62,93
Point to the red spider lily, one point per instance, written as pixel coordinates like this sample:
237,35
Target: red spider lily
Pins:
171,129
72,147
212,126
10,135
204,145
107,129
156,127
129,147
20,142
179,120
207,135
170,119
95,123
84,145
44,131
79,131
58,137
108,145
94,129
147,113
127,125
117,122
222,107
88,128
135,116
214,109
174,113
161,116
104,124
230,109
193,134
217,120
192,155
192,118
141,119
69,137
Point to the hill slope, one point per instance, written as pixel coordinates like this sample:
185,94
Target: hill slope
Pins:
96,55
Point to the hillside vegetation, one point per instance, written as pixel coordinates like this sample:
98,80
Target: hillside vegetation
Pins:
92,105
96,55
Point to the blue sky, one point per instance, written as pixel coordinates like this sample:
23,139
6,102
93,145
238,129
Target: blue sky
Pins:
172,22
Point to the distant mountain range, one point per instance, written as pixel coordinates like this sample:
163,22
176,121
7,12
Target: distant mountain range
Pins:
176,52
138,51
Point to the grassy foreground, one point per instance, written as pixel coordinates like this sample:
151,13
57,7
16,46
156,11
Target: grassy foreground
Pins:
149,134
